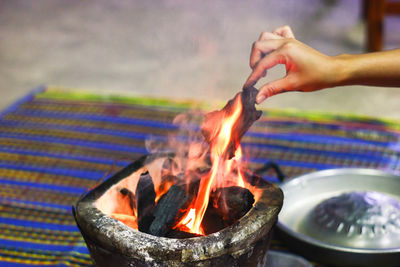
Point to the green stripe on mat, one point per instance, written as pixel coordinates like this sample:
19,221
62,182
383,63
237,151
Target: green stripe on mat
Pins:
318,116
82,95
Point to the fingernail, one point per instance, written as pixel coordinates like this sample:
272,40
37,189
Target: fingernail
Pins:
260,98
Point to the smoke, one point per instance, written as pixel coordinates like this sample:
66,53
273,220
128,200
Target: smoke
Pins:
186,143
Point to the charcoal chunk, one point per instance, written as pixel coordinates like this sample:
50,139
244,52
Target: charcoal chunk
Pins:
212,220
212,123
145,200
232,202
167,209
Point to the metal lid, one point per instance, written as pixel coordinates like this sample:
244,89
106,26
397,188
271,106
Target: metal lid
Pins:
357,219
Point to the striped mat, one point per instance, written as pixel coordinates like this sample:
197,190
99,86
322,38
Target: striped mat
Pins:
54,144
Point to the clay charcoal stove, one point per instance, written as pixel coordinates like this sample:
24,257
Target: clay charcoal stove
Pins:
199,206
237,222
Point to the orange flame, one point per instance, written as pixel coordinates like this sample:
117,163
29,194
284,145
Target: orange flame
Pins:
223,173
220,166
240,178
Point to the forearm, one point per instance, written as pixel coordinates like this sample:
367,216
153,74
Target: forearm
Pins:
378,69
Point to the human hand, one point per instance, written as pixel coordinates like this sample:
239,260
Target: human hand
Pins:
306,69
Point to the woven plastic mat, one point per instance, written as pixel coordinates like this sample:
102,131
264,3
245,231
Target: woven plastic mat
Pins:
55,144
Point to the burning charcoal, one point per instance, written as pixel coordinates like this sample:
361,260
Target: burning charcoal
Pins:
174,233
232,202
167,209
212,220
131,197
145,200
212,122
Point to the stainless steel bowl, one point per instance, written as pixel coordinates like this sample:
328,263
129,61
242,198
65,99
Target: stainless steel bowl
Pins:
343,217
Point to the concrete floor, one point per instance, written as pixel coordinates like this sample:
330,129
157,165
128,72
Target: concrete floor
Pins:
178,48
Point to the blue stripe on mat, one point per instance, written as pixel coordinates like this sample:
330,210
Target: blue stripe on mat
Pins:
64,207
14,107
41,225
76,142
77,128
51,187
141,122
102,118
89,159
361,156
93,175
78,248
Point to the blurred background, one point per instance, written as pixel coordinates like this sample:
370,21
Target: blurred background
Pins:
178,48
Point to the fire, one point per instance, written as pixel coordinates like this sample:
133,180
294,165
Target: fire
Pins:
189,219
240,178
190,164
162,189
225,133
126,219
220,166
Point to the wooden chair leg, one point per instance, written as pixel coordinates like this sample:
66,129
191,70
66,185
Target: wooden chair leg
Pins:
375,13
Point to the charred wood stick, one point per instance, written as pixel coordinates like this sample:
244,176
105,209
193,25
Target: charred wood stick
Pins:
145,200
167,209
212,123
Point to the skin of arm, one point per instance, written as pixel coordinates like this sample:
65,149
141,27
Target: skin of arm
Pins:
309,70
377,69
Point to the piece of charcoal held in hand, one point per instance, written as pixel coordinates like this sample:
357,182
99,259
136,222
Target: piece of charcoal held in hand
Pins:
145,201
212,123
166,211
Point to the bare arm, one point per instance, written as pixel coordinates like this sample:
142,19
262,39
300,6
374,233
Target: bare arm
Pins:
309,70
379,69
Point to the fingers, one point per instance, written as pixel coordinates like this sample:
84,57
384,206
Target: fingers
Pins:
265,63
265,54
260,48
272,88
268,36
284,31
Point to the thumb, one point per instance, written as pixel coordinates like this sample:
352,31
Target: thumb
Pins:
272,88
